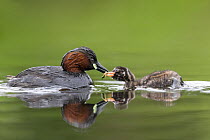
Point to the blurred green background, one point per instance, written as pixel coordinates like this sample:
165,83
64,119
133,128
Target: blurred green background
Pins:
144,35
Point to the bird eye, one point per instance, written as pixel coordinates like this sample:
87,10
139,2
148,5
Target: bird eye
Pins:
92,60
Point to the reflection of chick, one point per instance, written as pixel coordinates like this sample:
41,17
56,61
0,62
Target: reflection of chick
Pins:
120,99
162,96
81,115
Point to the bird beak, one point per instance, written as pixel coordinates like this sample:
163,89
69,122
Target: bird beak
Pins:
109,100
100,68
109,74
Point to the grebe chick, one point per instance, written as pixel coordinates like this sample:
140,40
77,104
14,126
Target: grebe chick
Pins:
70,74
159,79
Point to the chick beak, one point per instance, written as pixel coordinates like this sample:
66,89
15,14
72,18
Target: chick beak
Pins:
100,68
109,74
109,100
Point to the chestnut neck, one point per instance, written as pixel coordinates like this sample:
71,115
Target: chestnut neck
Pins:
77,112
75,62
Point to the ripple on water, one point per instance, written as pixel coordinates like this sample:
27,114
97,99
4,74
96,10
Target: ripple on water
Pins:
202,86
102,86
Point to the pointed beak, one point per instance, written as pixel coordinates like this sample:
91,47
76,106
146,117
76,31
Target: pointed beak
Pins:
100,68
109,100
109,74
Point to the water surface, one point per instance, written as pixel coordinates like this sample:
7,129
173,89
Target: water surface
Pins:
106,110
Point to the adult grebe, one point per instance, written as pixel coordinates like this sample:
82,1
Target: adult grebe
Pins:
70,74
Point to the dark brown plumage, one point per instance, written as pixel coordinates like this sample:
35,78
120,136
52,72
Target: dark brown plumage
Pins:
159,79
70,74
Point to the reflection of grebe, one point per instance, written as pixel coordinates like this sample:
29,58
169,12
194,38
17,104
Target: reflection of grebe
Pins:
75,111
82,115
49,100
168,98
120,99
159,79
70,74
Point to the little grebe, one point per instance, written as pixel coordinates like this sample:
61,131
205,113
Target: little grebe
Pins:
70,74
159,79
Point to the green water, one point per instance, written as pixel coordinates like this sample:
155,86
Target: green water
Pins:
186,118
143,35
